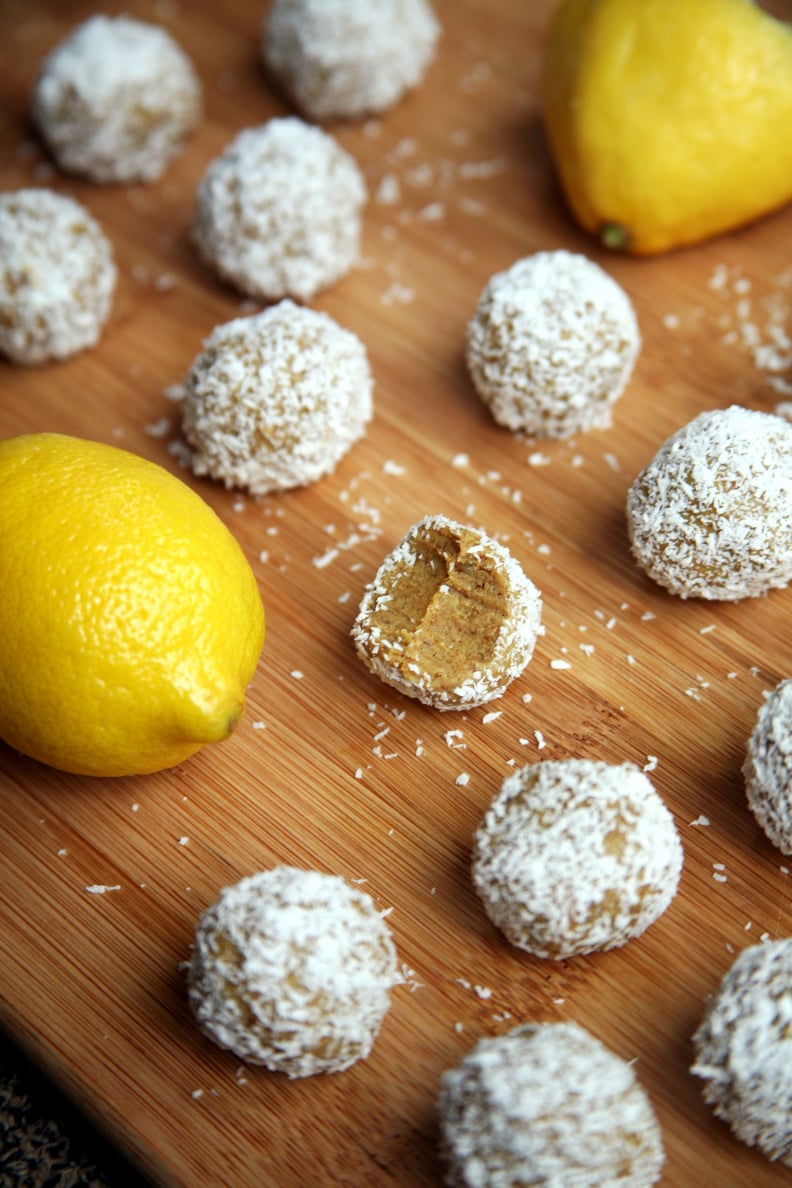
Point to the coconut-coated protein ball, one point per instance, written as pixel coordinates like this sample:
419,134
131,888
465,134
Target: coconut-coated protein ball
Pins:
450,617
547,1103
345,59
116,100
552,345
710,516
743,1049
57,276
768,767
575,855
292,969
279,211
273,401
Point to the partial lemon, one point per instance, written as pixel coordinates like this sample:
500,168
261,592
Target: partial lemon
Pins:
130,620
670,121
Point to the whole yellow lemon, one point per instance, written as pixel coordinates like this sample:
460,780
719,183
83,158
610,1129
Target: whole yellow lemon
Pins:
670,121
130,620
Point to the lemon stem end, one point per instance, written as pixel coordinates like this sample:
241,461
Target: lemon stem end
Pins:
614,236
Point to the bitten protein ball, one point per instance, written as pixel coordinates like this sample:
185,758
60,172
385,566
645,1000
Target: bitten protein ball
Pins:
117,100
575,855
552,345
292,969
768,767
743,1049
279,211
57,276
450,617
710,516
273,401
547,1103
345,59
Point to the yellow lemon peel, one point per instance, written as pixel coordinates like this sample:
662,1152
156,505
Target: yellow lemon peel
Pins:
130,620
668,120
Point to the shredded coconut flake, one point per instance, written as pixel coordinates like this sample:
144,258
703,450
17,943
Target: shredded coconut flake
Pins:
552,345
293,970
743,1049
768,767
279,211
347,59
430,588
547,1103
273,401
57,276
575,855
711,515
116,100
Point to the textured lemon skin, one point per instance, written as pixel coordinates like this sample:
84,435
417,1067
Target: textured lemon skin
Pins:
669,120
130,620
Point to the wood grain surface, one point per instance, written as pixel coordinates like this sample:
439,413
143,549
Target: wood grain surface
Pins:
329,768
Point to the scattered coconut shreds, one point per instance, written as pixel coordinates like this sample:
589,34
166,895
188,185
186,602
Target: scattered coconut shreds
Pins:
101,888
701,820
325,559
757,326
397,294
159,428
462,779
389,190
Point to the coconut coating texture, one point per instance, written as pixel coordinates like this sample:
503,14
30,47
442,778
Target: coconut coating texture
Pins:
279,211
743,1049
547,1103
450,618
552,345
344,59
575,855
57,276
710,516
292,969
116,100
273,401
768,767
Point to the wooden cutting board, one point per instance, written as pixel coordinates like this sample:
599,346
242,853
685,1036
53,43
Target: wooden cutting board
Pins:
329,768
